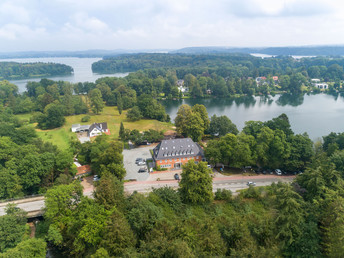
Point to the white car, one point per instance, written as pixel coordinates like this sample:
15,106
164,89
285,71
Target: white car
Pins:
251,183
278,172
96,178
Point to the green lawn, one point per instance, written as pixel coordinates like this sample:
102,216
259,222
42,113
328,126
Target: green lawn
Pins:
61,136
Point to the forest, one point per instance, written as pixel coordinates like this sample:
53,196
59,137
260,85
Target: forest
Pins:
235,64
302,219
14,70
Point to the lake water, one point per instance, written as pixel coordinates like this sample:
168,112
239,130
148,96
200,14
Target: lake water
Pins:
318,115
82,70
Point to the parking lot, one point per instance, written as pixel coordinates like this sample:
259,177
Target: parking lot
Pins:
129,157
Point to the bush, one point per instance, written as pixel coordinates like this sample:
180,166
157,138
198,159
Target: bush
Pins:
251,192
159,168
85,119
223,194
134,114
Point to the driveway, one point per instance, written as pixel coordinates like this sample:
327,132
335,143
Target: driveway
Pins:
129,157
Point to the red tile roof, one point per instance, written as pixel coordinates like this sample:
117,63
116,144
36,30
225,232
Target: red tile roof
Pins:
83,170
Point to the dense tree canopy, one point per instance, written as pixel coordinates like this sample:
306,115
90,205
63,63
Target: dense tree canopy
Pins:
14,70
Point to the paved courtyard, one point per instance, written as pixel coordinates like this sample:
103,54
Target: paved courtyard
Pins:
129,157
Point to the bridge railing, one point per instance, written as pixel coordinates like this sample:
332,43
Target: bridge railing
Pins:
21,198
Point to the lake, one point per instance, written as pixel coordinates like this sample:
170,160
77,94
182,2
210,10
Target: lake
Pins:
318,115
82,70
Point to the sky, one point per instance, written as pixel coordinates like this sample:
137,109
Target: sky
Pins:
45,25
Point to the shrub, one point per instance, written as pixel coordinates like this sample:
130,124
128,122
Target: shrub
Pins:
223,194
85,118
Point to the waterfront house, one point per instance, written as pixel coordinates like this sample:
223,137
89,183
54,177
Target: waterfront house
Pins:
176,152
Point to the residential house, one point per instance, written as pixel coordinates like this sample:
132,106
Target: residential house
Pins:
260,80
83,171
92,130
183,89
77,128
97,129
176,152
321,85
315,80
180,83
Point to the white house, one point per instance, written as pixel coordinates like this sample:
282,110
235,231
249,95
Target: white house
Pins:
92,130
321,85
97,129
183,89
77,128
315,80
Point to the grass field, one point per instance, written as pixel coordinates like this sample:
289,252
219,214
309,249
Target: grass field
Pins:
61,136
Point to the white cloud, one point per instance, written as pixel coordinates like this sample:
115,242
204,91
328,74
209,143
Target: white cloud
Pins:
111,24
14,13
91,24
13,31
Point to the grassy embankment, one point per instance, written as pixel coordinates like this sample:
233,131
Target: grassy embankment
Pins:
61,136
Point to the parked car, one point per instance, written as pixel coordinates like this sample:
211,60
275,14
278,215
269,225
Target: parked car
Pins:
141,163
96,178
142,170
278,172
176,176
138,160
251,183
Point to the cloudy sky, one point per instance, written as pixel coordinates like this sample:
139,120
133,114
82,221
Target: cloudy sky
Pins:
167,24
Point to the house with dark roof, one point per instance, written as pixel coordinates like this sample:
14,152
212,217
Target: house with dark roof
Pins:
176,152
92,130
97,129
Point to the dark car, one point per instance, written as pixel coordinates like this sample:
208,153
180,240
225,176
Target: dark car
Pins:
176,176
142,170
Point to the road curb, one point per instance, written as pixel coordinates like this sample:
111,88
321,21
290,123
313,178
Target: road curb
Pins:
22,201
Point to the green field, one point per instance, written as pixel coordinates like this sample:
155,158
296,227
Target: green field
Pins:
61,136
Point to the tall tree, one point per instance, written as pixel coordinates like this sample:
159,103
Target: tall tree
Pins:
97,103
110,192
119,104
196,184
202,111
122,132
222,125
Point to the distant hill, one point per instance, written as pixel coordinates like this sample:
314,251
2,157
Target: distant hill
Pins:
285,51
81,54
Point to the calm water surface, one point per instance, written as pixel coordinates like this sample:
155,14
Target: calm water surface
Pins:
318,115
81,66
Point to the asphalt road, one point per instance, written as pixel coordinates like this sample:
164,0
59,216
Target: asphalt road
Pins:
232,183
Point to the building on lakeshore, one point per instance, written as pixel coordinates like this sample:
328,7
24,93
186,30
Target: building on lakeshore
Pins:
176,152
321,85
